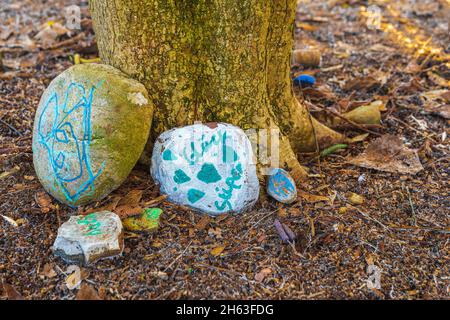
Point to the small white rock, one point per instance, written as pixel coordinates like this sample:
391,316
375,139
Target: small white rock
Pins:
85,239
208,167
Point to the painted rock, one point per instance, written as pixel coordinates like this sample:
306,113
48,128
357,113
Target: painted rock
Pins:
208,167
147,221
281,186
90,129
85,239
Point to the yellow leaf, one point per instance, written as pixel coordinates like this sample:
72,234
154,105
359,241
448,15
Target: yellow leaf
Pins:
217,251
312,198
356,198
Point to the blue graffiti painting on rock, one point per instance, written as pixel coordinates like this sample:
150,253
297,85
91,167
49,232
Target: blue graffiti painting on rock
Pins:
67,140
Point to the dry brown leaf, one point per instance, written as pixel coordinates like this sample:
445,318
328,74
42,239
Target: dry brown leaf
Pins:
361,83
125,211
260,276
358,138
355,198
438,80
412,67
48,271
44,201
215,232
203,222
312,198
132,198
388,153
10,292
87,292
437,102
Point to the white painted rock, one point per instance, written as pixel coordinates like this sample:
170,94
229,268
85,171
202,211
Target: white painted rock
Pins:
85,239
208,167
281,186
90,128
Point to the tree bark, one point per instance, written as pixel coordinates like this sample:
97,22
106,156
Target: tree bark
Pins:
212,61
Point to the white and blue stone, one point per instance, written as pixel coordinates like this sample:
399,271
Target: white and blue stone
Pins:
281,186
208,167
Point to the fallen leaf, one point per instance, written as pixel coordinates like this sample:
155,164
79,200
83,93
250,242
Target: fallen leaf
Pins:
126,211
358,138
412,67
307,27
312,198
87,292
388,153
10,221
438,80
203,222
44,201
355,198
437,102
217,251
48,271
5,174
260,276
160,275
73,280
10,292
361,83
132,198
215,232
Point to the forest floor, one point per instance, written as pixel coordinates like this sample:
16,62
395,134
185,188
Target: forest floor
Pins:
402,228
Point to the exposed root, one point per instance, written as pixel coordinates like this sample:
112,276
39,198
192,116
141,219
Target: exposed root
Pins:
289,161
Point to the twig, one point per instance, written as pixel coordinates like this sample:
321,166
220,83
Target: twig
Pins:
11,127
177,258
412,207
414,129
368,217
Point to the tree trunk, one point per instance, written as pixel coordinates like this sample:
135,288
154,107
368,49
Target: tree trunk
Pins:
212,61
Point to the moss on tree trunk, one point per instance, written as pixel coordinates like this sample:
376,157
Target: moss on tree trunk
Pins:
212,60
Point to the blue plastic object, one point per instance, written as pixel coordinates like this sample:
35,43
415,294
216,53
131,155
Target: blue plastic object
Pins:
305,80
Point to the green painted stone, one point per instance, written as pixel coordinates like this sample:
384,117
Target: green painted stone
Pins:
90,128
147,221
86,239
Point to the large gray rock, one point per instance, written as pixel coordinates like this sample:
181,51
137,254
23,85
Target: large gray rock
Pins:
85,239
207,167
90,129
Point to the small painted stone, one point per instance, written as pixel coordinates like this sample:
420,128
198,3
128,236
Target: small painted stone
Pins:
208,167
147,221
90,128
86,239
305,80
281,186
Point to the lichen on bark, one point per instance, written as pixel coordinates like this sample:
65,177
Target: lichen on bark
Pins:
212,60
